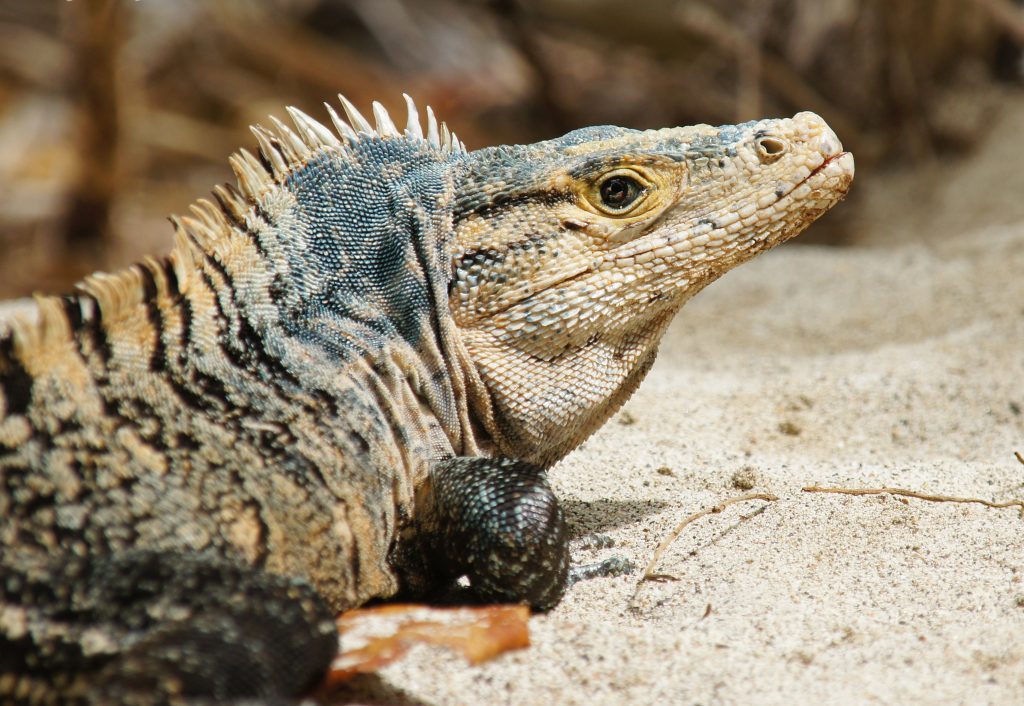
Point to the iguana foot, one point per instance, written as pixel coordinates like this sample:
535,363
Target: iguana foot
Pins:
591,541
606,568
501,526
612,566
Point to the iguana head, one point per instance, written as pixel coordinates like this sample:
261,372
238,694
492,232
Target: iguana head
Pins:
570,257
566,259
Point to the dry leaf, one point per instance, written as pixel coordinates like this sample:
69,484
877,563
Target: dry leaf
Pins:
372,638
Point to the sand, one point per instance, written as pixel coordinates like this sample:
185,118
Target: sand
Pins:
861,367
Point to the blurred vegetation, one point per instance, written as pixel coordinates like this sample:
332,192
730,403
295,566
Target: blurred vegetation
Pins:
114,113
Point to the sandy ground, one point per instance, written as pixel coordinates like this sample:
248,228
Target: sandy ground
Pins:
859,367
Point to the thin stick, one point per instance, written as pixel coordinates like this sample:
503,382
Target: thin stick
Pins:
915,494
1019,457
663,547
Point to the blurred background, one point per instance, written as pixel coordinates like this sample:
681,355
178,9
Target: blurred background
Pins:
114,113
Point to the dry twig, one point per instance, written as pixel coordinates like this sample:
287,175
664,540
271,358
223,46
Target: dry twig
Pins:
649,574
914,494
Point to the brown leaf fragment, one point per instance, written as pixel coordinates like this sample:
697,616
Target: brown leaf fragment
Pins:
381,635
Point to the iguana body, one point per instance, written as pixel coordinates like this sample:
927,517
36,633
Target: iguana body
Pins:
345,381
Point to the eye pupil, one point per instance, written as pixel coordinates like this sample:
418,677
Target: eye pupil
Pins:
619,191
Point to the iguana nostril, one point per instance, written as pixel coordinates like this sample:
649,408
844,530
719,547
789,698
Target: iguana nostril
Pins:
770,148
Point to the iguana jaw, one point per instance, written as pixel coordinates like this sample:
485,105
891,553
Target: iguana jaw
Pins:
563,317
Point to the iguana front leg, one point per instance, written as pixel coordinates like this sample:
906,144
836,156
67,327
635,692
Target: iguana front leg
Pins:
493,520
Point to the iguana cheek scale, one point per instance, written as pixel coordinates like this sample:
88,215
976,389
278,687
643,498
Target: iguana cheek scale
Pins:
346,380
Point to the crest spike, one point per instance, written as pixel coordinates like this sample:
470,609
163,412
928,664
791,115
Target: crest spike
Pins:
210,216
413,128
432,137
269,150
230,201
290,144
315,133
385,125
344,129
252,177
355,118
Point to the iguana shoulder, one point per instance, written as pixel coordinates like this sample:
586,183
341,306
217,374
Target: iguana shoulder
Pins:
242,393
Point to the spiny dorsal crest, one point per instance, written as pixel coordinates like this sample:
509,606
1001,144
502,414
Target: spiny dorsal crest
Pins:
208,227
285,147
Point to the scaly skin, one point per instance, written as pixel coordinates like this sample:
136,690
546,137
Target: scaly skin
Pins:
346,381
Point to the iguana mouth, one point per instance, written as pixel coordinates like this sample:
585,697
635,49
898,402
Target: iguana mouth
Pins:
814,172
828,160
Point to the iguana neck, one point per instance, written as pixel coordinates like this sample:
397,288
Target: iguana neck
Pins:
355,246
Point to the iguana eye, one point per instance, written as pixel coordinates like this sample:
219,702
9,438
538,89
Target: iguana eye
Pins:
619,191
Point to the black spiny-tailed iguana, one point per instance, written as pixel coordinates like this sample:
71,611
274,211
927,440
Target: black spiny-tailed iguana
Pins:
346,380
